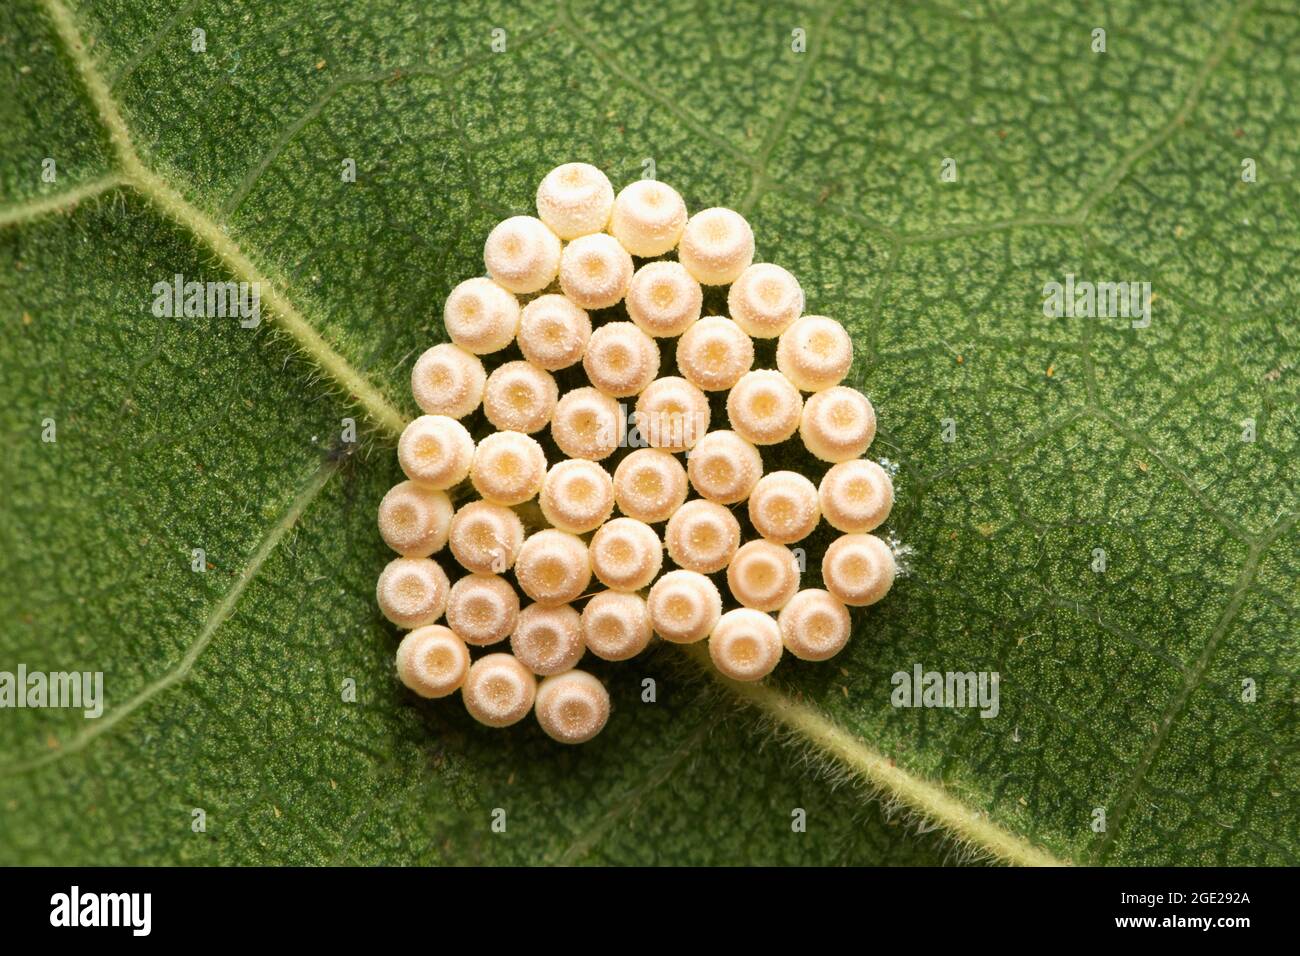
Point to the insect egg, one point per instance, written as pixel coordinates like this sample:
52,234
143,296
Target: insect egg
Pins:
672,414
482,609
663,299
717,245
522,255
858,569
856,496
575,199
447,380
544,274
745,645
553,567
572,707
626,554
508,468
520,397
432,661
577,496
616,625
553,332
815,625
684,606
485,538
763,575
587,424
764,300
595,271
814,353
783,507
724,467
412,592
837,424
435,451
714,353
649,485
702,536
548,639
481,316
414,521
648,218
499,691
764,407
621,360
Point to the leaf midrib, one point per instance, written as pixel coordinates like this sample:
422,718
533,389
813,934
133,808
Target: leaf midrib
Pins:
932,801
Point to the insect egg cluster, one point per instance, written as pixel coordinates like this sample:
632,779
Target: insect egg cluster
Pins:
570,541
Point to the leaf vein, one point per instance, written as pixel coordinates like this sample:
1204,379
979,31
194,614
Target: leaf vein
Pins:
64,201
169,200
879,772
215,619
1194,680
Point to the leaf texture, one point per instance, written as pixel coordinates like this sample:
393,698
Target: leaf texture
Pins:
1121,690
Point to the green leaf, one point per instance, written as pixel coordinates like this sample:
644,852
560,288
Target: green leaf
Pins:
1121,690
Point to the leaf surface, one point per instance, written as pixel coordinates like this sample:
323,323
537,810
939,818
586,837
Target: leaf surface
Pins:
1121,690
